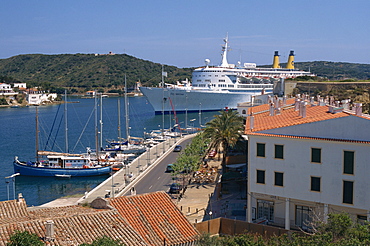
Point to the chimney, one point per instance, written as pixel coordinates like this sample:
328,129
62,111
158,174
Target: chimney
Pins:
303,109
312,101
251,122
271,109
331,109
345,104
331,100
290,64
296,104
275,63
322,102
358,109
49,226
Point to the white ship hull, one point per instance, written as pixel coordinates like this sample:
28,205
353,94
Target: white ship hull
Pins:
179,100
218,87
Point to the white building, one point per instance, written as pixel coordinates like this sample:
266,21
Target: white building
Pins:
6,90
40,98
307,159
20,85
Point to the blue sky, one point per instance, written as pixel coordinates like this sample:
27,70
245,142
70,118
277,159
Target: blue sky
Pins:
184,33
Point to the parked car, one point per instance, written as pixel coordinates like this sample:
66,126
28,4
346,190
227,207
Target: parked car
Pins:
175,188
169,168
177,148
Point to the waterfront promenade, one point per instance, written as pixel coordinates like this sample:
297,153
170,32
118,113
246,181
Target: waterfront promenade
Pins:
200,202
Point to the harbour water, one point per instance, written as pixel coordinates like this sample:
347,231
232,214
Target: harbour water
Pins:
18,138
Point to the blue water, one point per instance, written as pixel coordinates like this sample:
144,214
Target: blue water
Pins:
18,138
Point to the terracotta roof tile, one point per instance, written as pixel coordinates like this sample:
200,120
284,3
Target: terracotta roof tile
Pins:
289,117
156,218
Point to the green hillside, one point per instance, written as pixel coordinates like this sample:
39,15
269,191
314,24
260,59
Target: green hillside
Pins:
84,72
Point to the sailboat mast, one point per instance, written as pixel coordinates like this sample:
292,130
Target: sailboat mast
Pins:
96,127
162,102
37,135
127,113
101,121
66,122
119,119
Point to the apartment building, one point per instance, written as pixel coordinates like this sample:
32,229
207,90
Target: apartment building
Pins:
307,159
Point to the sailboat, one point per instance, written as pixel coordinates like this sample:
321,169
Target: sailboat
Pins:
130,146
60,164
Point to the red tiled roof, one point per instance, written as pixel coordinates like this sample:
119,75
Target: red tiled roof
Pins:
13,210
156,218
78,229
288,117
147,219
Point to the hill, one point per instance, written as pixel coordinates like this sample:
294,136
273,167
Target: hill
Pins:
84,72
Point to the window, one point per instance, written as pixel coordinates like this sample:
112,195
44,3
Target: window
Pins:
265,210
348,162
315,155
261,149
302,217
315,184
279,179
279,151
348,192
260,176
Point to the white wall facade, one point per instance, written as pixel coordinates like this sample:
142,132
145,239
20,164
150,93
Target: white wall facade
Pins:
36,99
297,170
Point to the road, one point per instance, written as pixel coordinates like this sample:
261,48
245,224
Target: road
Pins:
157,179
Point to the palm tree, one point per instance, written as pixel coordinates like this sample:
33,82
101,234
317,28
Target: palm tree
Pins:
224,131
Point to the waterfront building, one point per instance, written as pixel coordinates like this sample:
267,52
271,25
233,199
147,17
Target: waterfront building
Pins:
39,98
307,159
6,90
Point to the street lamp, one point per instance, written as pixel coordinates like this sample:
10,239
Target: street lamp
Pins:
192,124
13,179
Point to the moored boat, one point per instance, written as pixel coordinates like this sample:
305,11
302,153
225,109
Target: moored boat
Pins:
218,87
59,166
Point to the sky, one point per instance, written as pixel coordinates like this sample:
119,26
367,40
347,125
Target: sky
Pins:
185,33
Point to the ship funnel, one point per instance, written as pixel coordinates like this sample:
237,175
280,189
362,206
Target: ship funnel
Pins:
275,63
290,64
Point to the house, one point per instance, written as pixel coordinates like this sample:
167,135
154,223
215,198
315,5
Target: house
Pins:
148,219
6,90
37,98
90,93
307,159
20,85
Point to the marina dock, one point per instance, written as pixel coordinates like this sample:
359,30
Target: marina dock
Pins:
123,180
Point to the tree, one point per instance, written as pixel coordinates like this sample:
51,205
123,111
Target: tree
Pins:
24,238
224,131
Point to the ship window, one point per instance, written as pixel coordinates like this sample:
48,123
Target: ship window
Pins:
209,75
216,75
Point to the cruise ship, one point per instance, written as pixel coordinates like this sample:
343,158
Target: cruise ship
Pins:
215,88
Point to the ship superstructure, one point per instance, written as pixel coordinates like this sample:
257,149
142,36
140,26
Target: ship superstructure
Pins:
218,87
